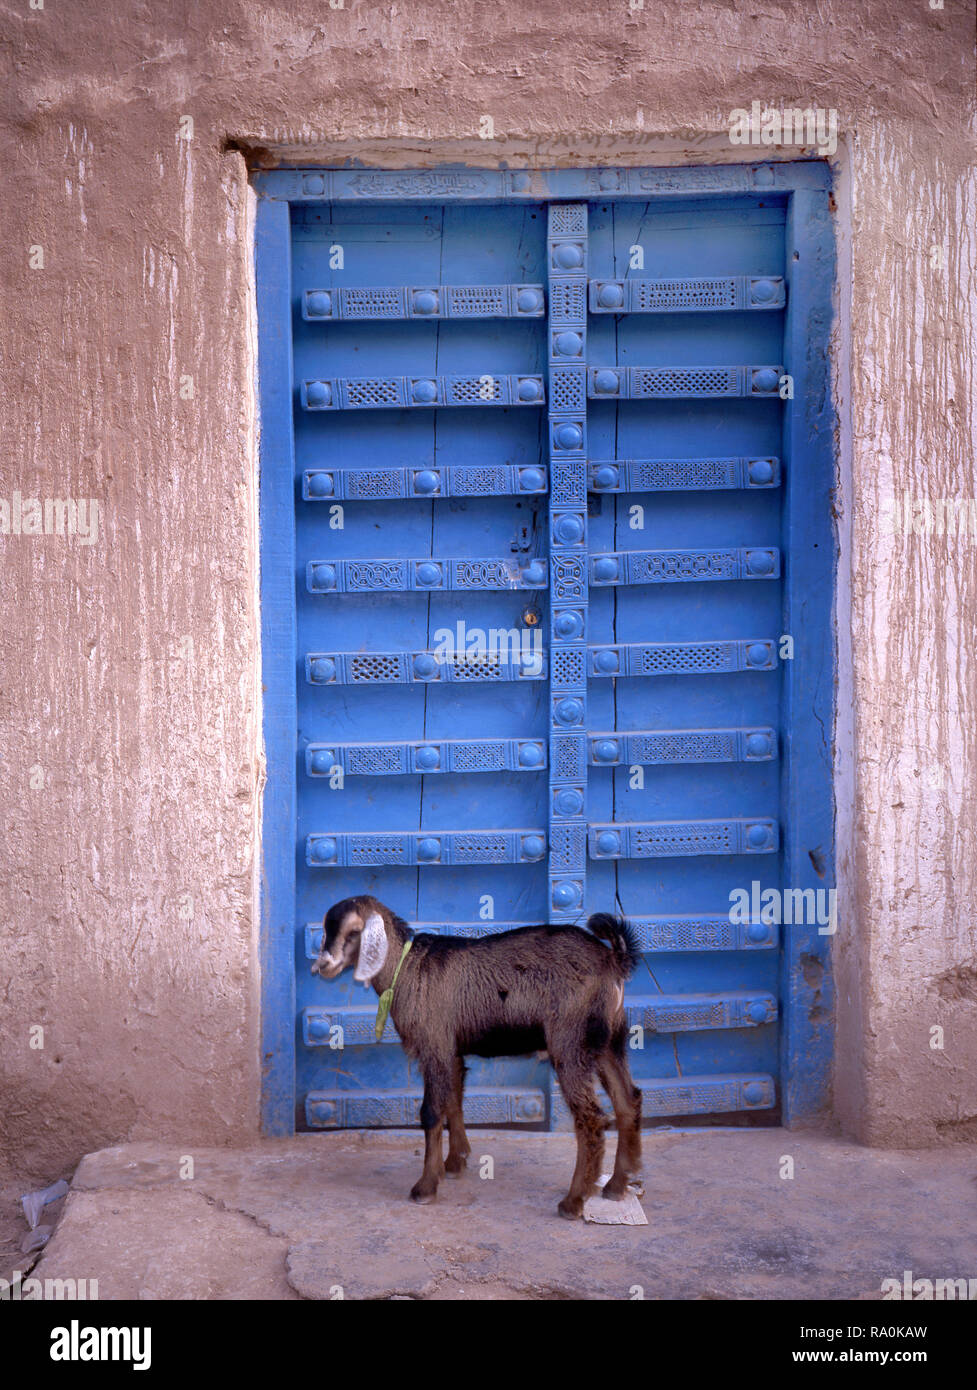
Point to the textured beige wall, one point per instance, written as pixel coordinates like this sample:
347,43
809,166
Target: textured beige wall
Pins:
131,689
910,958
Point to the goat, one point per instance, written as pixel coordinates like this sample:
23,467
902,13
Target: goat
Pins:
505,995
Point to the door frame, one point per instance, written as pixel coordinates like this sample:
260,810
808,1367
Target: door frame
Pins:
811,550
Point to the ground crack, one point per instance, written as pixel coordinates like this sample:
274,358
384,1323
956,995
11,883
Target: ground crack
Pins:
219,1204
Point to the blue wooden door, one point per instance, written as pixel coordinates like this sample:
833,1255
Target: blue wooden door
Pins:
539,548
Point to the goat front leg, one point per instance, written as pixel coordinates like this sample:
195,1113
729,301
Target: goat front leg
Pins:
458,1145
437,1095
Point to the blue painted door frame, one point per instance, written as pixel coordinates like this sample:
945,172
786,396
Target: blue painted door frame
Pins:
606,398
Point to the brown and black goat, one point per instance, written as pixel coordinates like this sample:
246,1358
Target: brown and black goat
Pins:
511,994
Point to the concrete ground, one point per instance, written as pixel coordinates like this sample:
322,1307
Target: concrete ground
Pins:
307,1216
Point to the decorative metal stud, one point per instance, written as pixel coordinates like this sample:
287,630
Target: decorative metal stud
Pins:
766,380
567,255
528,1108
566,894
318,304
568,434
323,576
426,666
606,382
318,1027
569,528
320,484
610,294
607,662
759,654
532,480
606,569
320,1113
568,801
606,750
758,836
531,755
606,477
567,344
426,482
568,623
322,670
608,842
568,712
761,562
425,302
762,471
767,292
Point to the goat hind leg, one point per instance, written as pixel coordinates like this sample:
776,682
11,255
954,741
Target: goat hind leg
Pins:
626,1098
577,1086
632,1153
458,1145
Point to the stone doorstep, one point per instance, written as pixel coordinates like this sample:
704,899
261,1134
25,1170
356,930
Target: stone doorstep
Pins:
326,1215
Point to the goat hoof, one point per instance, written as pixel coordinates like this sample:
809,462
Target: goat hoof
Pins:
615,1191
455,1164
571,1208
424,1196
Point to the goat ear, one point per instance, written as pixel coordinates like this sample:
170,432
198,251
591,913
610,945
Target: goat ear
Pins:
373,949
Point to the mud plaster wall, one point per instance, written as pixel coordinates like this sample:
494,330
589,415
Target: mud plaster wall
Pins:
131,682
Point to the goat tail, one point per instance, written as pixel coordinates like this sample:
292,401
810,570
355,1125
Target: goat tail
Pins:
620,936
